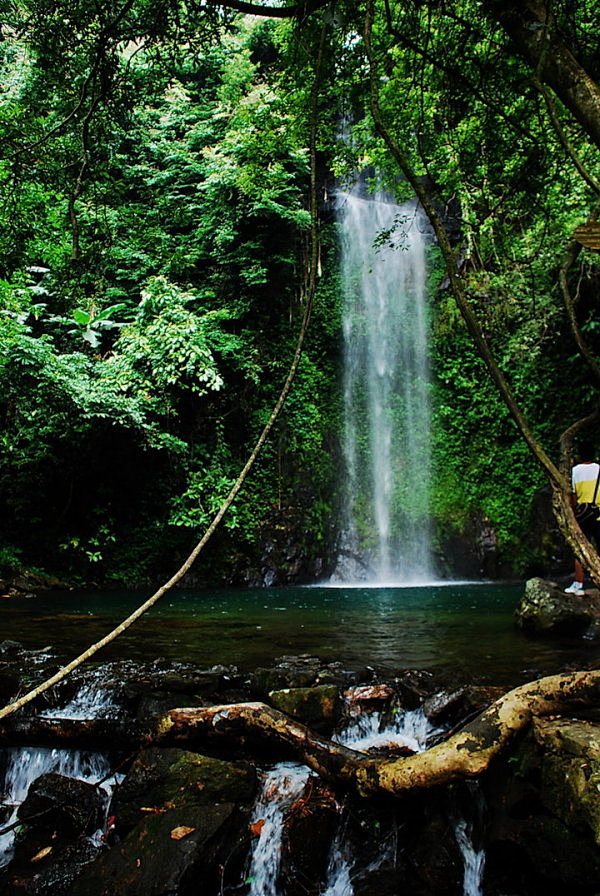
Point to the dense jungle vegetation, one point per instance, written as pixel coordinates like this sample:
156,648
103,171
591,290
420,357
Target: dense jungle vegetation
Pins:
154,261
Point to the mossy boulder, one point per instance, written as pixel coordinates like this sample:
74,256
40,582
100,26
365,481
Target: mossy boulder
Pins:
304,672
570,787
171,778
319,707
546,609
184,818
544,812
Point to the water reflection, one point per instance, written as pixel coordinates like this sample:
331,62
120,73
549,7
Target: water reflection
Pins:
464,628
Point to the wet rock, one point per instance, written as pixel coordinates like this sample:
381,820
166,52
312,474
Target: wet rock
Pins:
414,686
434,865
449,709
289,671
570,787
172,777
544,812
22,669
171,853
309,831
539,854
52,844
370,694
545,609
444,707
401,848
10,683
51,871
304,672
320,707
184,818
57,803
140,690
10,648
28,584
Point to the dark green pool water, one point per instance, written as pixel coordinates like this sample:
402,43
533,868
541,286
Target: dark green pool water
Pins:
466,629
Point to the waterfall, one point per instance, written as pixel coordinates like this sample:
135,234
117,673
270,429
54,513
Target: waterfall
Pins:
473,858
22,765
385,518
90,702
339,882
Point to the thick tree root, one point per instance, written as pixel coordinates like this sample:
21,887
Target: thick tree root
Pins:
466,754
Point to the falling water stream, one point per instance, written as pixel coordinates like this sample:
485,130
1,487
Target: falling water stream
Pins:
281,786
385,522
468,823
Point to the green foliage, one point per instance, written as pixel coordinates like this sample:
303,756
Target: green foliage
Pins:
167,346
467,113
153,257
152,238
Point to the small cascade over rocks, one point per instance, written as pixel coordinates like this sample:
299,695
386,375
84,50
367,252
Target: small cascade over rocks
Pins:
339,880
474,859
25,765
284,784
281,786
92,701
397,727
467,816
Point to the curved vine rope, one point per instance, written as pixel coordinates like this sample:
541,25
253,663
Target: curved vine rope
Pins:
310,291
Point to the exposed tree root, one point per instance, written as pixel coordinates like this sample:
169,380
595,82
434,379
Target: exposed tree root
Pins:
466,754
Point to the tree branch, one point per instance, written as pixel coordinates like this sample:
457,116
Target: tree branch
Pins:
572,253
295,11
528,23
566,144
566,440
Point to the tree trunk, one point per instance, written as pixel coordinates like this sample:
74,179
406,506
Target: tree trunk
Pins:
531,27
467,754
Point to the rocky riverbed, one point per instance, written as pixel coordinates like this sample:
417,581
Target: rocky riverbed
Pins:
129,818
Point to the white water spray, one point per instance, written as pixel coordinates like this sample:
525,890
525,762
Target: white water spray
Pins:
408,728
473,859
339,882
284,784
92,701
386,392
